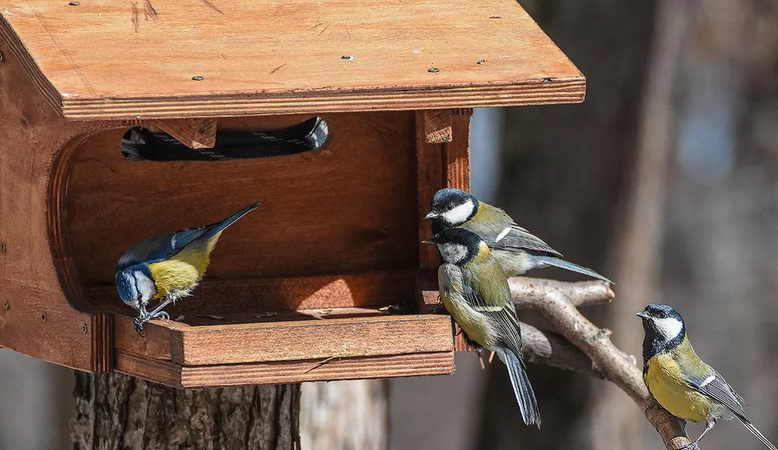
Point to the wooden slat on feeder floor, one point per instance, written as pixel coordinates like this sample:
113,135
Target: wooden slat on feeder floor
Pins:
286,341
167,373
192,58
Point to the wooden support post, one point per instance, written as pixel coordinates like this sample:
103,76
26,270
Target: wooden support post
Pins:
194,133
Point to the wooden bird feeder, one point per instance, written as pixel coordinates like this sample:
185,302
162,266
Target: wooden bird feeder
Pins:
327,279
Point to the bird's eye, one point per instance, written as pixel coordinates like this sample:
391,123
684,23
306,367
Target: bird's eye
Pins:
662,315
450,206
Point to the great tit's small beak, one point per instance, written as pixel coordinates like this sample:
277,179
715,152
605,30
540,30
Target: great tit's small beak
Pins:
431,215
643,315
428,241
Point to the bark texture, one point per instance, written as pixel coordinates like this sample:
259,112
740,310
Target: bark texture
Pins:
345,415
118,412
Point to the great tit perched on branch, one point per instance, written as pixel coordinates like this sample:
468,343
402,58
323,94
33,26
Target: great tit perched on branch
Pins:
680,381
167,267
515,249
475,292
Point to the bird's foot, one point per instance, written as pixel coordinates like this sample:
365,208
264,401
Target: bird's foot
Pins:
692,446
161,315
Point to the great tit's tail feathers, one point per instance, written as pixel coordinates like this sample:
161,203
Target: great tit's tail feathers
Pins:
219,227
562,264
522,388
747,423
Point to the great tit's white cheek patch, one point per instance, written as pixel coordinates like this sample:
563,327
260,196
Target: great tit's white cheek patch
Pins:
669,327
452,253
460,213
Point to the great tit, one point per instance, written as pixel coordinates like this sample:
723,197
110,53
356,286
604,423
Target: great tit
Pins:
515,249
167,267
680,381
475,292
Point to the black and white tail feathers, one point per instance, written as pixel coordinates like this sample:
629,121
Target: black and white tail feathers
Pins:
747,423
562,264
522,388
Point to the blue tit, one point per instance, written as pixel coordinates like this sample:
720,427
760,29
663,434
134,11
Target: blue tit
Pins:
475,291
167,267
680,381
515,249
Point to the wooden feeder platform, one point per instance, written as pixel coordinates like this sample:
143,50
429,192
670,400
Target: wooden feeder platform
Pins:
327,279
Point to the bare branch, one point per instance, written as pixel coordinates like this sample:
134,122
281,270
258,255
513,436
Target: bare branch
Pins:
531,290
551,349
555,301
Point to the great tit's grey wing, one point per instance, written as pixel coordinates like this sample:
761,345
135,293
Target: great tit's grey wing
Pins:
494,302
514,237
717,388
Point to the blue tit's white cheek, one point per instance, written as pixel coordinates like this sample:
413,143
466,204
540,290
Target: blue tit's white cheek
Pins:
459,214
668,328
145,286
452,253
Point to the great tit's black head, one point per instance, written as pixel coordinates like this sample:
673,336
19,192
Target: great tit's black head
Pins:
135,285
457,245
452,206
664,329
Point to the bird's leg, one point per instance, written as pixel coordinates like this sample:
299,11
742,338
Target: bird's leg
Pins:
694,445
157,312
480,358
145,316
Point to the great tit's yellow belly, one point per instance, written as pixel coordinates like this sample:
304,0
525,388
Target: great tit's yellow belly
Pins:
663,379
180,274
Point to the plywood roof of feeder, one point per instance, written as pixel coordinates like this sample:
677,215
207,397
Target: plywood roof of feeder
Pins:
97,59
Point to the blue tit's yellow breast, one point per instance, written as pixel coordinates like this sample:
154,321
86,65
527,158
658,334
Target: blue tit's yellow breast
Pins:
667,386
180,273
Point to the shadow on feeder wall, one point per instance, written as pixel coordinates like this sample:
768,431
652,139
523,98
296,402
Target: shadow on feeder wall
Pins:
139,144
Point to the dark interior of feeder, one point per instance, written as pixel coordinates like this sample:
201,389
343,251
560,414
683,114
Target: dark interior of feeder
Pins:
337,227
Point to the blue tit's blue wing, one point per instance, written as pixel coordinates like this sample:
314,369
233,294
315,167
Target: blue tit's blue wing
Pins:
159,248
165,246
717,388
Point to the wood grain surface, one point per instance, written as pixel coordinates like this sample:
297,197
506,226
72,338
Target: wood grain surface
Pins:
192,58
169,374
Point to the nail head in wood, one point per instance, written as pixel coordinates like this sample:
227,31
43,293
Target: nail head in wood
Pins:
433,70
437,126
2,247
44,317
1,56
84,328
348,57
74,3
6,304
197,78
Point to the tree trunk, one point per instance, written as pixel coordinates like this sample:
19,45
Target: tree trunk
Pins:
345,415
115,411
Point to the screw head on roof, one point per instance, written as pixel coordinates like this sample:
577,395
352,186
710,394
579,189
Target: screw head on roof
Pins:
433,70
74,3
197,78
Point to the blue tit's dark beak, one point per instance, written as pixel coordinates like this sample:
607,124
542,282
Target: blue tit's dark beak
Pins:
431,215
643,315
428,241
